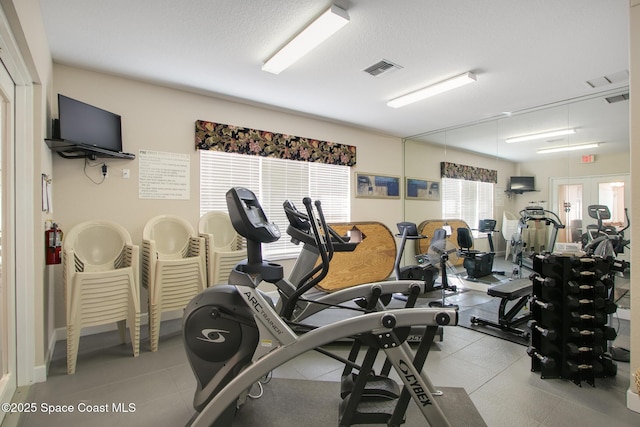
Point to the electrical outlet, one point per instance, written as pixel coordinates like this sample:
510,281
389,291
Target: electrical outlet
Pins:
125,173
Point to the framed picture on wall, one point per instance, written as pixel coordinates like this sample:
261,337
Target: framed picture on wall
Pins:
422,189
377,186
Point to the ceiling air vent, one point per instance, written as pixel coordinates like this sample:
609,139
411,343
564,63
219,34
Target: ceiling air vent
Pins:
617,98
619,77
382,67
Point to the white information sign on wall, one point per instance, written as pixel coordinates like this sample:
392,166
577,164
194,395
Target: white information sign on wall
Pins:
163,175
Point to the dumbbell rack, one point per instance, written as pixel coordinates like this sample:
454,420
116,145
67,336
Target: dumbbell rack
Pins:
570,305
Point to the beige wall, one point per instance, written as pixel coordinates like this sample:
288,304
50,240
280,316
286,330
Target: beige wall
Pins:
162,119
565,166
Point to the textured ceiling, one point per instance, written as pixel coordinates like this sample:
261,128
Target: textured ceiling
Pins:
525,54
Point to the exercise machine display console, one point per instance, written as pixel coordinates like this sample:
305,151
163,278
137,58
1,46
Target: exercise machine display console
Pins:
535,212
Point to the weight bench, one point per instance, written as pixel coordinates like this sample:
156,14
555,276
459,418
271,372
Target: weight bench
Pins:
507,321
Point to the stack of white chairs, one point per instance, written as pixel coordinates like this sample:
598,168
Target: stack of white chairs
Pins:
536,236
224,246
100,274
509,227
173,262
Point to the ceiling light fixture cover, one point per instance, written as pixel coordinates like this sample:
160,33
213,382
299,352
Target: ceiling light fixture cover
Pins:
435,89
315,33
568,148
541,135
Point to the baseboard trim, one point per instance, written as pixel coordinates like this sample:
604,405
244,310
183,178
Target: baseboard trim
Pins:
633,400
40,373
623,313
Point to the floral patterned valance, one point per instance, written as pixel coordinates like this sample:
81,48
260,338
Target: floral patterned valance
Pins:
234,139
469,173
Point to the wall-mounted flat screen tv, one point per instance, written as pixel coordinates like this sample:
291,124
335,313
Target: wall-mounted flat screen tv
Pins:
82,123
522,183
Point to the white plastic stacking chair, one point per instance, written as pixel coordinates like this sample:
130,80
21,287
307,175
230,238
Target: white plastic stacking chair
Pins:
537,236
224,247
100,274
509,227
173,260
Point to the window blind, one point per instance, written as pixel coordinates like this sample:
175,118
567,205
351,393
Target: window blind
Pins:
274,181
470,201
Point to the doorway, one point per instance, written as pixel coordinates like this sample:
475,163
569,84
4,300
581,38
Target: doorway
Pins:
7,283
569,208
571,198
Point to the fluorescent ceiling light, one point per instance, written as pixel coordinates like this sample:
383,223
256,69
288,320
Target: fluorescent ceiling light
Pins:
432,90
542,135
315,33
567,148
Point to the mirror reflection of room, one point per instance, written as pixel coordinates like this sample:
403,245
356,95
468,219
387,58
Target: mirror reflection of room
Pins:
565,183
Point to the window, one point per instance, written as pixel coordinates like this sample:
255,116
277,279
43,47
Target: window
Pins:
470,201
274,181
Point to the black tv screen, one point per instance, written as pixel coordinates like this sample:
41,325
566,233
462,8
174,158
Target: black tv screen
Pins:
522,183
85,124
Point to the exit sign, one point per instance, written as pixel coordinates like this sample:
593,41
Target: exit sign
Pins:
588,158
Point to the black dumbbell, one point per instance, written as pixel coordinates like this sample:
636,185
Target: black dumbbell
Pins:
583,275
544,281
545,305
575,350
546,258
606,332
579,333
574,302
597,318
619,265
599,288
547,333
610,307
545,362
608,365
576,288
608,282
576,368
583,262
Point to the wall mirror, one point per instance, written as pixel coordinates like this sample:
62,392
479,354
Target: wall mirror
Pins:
566,182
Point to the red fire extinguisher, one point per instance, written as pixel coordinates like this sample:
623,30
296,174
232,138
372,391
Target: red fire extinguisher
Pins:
53,243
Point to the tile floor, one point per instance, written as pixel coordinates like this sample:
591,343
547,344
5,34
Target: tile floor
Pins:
494,372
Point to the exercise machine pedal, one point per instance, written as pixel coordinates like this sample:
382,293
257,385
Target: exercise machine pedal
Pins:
368,412
377,387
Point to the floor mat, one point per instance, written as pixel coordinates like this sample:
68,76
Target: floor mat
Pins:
315,403
489,311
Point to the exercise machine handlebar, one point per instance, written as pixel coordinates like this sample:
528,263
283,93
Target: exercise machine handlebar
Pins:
325,249
538,213
300,230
